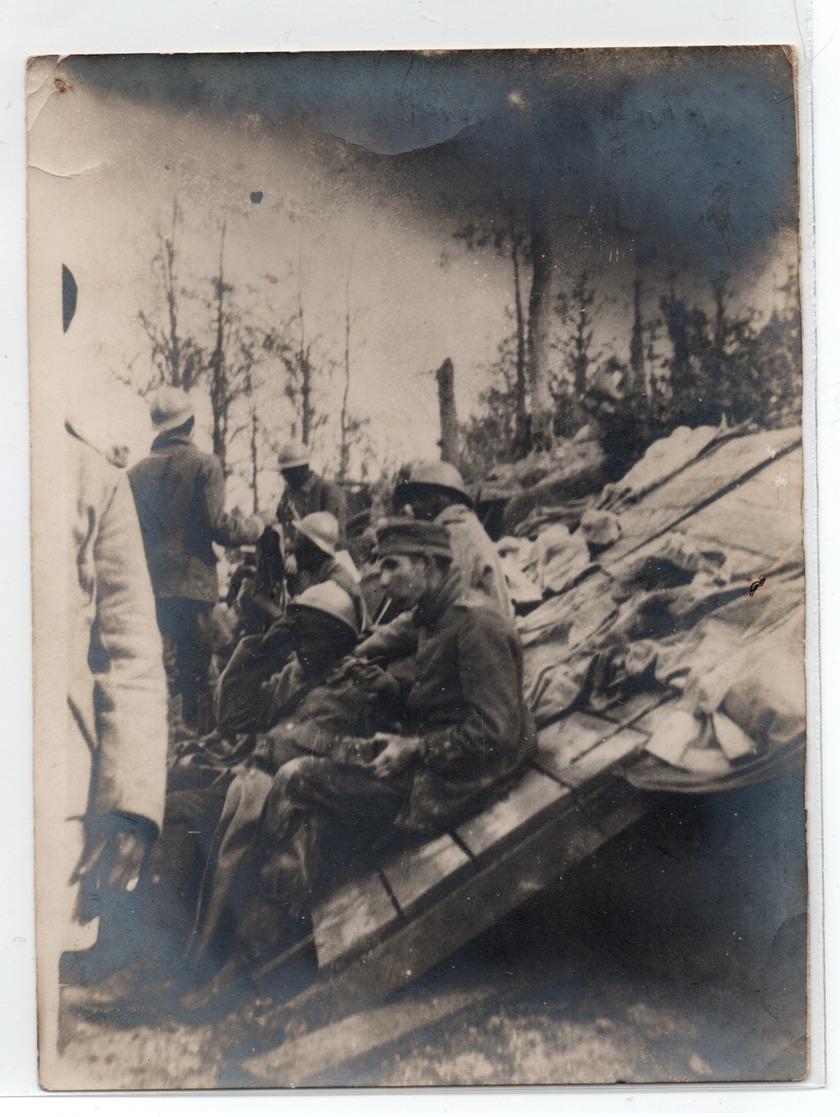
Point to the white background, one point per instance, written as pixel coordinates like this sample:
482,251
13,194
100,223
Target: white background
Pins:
102,26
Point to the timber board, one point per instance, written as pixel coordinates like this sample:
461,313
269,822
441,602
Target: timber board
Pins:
502,885
414,875
598,763
636,706
351,916
562,742
520,811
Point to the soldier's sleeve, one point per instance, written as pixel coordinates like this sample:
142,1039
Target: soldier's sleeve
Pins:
489,677
226,528
336,502
390,641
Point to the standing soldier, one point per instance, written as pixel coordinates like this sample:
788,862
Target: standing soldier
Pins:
180,497
306,492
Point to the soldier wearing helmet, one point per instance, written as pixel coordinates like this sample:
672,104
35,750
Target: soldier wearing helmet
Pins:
465,733
180,497
310,708
435,491
305,491
307,706
316,544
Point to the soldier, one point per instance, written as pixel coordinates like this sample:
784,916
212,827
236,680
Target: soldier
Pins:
467,734
436,493
180,496
305,492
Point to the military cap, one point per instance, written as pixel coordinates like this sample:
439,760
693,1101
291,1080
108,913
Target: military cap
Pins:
403,536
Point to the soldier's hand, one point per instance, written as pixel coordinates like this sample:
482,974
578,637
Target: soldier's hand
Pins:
398,754
290,562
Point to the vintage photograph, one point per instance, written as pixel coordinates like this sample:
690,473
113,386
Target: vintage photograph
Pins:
418,570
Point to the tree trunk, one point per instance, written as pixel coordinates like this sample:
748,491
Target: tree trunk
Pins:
445,377
520,436
539,330
218,383
344,450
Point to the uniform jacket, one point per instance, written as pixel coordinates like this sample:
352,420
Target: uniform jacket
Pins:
180,497
475,557
117,691
316,494
467,705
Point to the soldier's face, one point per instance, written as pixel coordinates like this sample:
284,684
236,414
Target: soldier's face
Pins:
295,476
404,578
315,646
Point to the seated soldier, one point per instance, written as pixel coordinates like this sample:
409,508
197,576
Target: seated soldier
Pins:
435,492
318,697
468,734
316,544
240,704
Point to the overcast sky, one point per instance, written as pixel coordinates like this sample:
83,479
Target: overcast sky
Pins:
359,169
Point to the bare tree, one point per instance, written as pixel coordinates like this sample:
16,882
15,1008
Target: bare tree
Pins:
306,367
351,427
176,356
508,234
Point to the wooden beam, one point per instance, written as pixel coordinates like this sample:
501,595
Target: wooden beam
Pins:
501,886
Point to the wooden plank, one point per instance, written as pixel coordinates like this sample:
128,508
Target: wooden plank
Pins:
561,743
351,917
502,885
598,763
654,718
415,875
519,812
313,1058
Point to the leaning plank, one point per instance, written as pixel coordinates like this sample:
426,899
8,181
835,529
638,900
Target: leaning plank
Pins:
414,875
503,884
351,917
307,1058
524,808
636,706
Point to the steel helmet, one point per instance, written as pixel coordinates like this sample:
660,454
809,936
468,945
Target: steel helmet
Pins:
170,408
292,454
438,475
322,528
329,598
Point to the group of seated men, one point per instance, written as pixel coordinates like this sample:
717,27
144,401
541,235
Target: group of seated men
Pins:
330,738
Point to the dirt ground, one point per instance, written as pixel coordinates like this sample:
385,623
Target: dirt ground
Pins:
677,954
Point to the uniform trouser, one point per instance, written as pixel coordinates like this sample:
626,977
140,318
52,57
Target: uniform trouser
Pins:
187,630
317,817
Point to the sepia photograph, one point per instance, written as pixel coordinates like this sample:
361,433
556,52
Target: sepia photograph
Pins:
418,568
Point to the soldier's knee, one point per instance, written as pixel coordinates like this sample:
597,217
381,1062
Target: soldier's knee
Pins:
297,775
